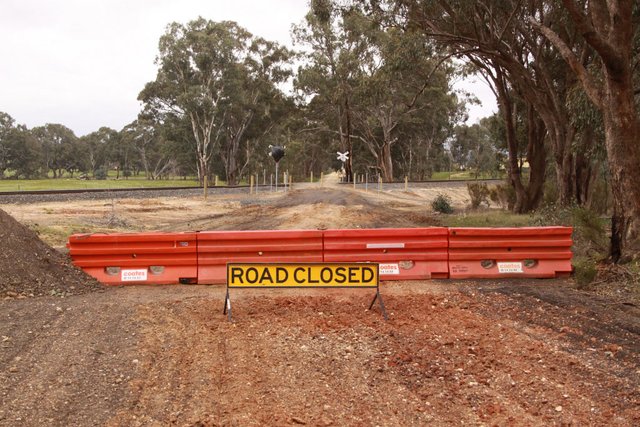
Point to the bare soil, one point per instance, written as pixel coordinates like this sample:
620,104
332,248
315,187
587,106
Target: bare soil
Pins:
29,267
520,352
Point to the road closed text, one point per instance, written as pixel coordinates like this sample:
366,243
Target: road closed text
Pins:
302,275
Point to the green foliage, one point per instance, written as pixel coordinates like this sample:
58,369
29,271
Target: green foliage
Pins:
223,81
385,88
22,153
479,193
442,204
590,240
585,271
473,148
60,149
100,173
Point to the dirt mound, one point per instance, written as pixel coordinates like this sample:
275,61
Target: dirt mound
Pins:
29,267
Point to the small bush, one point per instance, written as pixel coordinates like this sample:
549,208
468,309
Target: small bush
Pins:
550,192
585,271
442,204
502,195
100,174
479,193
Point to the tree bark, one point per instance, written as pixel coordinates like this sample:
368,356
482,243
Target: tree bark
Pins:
609,29
527,198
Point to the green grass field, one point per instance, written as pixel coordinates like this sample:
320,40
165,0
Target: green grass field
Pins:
78,184
466,175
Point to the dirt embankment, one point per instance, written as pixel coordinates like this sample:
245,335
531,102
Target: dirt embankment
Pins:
30,267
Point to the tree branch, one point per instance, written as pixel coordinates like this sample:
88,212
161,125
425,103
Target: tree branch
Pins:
608,53
593,92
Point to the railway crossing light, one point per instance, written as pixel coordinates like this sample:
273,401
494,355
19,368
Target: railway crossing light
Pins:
277,153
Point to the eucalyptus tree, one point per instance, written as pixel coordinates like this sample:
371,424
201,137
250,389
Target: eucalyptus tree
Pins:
498,39
254,103
471,147
205,75
611,31
59,148
402,79
422,149
96,147
330,70
146,140
369,79
6,124
23,154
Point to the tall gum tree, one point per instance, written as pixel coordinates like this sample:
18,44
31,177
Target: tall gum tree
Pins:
215,74
497,34
194,60
330,72
611,29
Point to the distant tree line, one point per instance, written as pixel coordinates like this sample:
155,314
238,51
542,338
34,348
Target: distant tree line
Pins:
375,78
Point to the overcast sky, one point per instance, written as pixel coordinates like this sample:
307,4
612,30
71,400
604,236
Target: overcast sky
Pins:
82,63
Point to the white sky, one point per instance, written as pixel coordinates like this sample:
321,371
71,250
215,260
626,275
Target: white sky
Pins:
82,63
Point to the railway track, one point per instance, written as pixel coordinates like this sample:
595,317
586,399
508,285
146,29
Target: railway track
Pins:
213,189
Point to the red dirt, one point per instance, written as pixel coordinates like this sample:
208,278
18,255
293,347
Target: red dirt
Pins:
529,352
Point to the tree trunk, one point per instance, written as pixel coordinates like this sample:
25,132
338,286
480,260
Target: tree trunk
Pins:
564,176
609,29
203,169
584,170
507,109
537,157
623,152
385,162
348,165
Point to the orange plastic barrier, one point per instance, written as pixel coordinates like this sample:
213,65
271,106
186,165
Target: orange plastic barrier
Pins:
538,252
136,258
403,253
217,248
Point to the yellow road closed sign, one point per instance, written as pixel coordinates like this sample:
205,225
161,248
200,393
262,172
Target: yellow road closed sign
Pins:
301,275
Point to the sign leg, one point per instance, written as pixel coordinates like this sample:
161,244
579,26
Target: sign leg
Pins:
379,298
227,306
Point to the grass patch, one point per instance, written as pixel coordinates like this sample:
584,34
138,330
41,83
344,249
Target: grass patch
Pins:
488,218
78,184
463,176
56,236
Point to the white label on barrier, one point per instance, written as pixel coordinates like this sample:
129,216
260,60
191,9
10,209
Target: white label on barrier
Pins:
388,269
509,267
134,275
385,245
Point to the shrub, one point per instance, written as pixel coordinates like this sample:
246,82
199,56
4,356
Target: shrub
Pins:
479,193
585,271
100,173
503,195
442,204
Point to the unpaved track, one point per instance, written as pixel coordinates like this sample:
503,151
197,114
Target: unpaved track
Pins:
472,353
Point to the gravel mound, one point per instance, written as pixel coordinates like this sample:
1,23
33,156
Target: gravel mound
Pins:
30,267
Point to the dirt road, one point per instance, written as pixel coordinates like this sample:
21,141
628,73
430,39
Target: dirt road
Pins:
470,353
